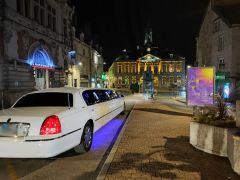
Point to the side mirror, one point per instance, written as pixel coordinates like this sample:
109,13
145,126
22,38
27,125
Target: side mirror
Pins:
122,95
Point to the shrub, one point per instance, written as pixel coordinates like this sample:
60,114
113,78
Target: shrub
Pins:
214,115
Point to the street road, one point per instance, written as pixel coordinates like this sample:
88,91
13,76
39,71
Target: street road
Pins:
68,165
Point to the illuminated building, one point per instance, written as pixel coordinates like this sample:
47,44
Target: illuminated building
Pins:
167,69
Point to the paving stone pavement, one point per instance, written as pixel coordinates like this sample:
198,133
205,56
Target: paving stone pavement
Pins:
155,145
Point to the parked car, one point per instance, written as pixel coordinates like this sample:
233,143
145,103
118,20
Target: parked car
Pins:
49,122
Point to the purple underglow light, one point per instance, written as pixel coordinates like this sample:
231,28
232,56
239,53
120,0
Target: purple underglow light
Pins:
105,135
40,58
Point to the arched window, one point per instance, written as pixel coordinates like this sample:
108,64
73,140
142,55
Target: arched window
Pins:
40,59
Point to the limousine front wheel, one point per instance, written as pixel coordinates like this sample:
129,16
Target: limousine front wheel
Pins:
86,139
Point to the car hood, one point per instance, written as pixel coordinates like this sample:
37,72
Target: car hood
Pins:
32,115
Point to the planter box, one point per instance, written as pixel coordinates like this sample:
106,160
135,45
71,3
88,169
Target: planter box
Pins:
209,138
234,151
218,141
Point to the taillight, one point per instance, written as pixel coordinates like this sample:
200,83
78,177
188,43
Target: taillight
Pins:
51,125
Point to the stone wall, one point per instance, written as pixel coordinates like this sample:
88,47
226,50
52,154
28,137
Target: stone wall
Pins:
204,43
209,138
18,80
226,53
235,63
219,141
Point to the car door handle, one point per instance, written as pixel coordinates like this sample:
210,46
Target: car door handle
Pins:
92,109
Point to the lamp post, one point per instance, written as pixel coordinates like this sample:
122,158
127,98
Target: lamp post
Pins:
105,82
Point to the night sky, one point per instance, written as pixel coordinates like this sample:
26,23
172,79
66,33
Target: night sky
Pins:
120,24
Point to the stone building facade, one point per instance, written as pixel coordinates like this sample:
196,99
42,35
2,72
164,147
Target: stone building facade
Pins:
166,68
88,65
35,37
218,41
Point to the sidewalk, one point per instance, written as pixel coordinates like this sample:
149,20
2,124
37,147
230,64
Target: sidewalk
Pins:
155,145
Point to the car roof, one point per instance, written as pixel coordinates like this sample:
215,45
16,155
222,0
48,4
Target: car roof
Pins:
61,89
67,90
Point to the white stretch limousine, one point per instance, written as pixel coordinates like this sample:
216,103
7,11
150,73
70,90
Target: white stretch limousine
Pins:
49,122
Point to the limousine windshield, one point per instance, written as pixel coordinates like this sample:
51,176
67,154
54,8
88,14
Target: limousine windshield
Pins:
45,99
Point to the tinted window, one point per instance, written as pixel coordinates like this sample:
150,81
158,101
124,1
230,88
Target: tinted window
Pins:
89,97
118,94
102,95
112,94
46,99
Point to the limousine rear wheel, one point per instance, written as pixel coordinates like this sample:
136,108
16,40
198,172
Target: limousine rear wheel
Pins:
86,139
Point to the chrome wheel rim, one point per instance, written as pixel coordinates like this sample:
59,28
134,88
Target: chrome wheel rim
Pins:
87,137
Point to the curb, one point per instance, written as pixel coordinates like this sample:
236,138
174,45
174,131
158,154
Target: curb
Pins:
103,172
184,102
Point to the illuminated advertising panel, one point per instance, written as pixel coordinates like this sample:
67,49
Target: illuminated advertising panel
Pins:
200,86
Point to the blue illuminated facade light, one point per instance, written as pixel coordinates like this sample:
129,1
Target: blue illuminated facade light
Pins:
40,59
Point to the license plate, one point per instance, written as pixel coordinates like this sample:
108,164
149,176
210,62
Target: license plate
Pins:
14,129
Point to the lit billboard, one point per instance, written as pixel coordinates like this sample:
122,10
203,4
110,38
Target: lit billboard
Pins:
200,86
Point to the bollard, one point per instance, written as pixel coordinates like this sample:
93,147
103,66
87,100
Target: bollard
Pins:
238,113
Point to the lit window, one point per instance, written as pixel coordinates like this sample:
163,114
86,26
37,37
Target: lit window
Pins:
164,68
126,80
178,68
134,79
155,68
171,67
120,80
134,68
179,81
155,82
171,80
127,68
120,69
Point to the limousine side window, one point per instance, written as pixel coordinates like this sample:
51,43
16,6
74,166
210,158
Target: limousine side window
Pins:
118,95
112,94
102,95
90,97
